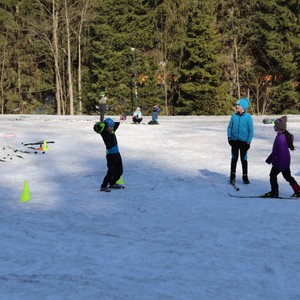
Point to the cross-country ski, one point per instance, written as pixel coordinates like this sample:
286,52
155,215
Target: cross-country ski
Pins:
38,143
262,197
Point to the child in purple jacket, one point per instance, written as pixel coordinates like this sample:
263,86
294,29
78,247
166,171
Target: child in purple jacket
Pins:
280,158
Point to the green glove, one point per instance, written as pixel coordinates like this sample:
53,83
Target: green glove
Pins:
99,127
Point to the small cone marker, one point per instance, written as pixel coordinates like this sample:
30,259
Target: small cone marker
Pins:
120,180
45,146
25,193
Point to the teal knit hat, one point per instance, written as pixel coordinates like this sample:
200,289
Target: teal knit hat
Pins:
244,103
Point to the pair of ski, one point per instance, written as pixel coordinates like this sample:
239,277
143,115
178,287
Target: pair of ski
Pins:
40,148
262,197
258,196
9,155
29,146
37,143
14,150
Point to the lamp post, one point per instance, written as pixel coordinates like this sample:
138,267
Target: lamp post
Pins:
134,73
163,64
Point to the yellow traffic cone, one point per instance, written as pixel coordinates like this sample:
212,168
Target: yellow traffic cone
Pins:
25,193
45,146
120,180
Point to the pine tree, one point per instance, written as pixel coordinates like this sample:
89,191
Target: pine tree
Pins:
200,81
24,59
121,26
274,43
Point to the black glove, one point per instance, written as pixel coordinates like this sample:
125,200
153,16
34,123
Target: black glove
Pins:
96,127
247,146
230,142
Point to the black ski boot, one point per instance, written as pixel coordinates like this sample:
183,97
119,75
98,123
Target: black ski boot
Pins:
245,179
270,195
232,178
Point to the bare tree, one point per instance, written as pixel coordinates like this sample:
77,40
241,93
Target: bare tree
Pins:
83,17
55,50
70,76
51,38
2,75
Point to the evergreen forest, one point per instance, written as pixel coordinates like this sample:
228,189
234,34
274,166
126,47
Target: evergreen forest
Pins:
192,57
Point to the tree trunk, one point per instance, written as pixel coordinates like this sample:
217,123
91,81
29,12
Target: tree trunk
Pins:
56,56
2,77
79,73
19,87
83,13
70,77
237,75
165,87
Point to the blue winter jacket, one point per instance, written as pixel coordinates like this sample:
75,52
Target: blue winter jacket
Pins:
155,112
240,128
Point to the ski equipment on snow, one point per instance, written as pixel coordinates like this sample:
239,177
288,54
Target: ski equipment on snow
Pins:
234,185
38,143
261,197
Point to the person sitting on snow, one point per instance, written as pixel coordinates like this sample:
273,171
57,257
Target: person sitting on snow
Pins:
137,116
155,112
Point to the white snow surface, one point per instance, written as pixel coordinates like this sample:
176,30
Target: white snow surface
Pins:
172,233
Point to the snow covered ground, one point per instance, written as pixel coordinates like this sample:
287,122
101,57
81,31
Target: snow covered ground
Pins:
173,233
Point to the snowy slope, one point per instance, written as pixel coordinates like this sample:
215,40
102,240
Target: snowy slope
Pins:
173,233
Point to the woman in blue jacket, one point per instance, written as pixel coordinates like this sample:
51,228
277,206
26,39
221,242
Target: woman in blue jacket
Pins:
240,133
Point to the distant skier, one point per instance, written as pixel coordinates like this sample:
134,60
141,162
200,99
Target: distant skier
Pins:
103,106
114,160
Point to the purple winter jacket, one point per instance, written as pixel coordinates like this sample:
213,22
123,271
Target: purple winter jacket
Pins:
280,156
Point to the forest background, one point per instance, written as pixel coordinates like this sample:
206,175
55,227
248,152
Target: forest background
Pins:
193,57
